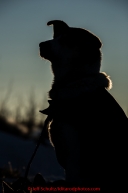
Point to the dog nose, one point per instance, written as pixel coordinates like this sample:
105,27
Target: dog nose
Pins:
40,44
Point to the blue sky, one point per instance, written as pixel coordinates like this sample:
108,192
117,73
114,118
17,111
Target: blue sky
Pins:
23,27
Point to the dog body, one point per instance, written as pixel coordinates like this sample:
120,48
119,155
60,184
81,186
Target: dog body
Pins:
85,117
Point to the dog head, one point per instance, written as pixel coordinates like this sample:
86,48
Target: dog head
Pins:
70,48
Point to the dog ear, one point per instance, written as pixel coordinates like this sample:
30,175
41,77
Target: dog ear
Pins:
60,27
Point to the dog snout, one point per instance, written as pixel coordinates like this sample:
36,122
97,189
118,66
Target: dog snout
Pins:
45,50
41,44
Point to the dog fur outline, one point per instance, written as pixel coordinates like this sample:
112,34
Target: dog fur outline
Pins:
75,58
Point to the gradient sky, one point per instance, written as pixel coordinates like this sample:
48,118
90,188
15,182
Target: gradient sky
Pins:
23,25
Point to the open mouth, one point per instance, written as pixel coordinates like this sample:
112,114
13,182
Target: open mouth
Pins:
44,54
41,55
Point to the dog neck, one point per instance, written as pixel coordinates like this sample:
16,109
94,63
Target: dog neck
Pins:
82,79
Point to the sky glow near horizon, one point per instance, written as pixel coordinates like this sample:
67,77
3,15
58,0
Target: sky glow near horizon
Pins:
24,26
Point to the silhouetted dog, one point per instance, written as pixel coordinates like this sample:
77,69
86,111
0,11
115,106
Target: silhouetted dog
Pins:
88,125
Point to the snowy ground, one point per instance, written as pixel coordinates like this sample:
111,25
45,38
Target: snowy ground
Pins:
18,152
